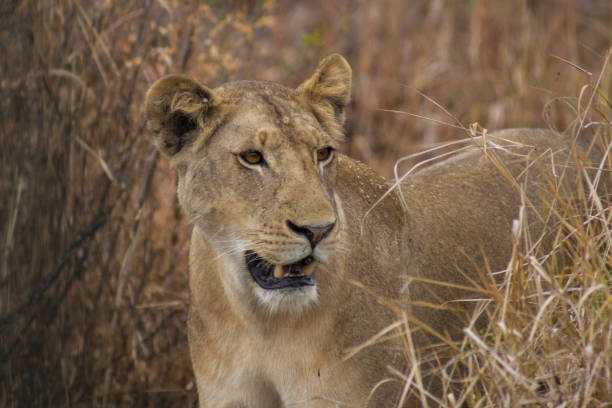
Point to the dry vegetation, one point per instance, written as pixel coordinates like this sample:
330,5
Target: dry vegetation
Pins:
548,341
93,288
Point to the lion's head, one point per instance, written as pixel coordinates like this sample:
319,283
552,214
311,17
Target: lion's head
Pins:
257,172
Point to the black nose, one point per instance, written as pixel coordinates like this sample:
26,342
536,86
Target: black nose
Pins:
314,234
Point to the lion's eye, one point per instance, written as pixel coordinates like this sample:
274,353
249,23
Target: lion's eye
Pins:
324,154
252,157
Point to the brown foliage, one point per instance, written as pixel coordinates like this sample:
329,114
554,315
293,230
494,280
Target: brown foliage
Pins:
93,288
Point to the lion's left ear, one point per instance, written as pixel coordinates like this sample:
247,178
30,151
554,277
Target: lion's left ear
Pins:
177,109
328,91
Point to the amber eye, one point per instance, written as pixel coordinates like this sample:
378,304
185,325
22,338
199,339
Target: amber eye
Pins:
324,154
252,157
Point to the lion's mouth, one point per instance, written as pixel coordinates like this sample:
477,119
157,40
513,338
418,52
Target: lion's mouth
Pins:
270,276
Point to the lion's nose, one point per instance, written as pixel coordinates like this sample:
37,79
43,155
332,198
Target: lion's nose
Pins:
315,234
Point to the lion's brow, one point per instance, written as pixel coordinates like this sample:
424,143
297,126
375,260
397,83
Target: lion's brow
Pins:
266,98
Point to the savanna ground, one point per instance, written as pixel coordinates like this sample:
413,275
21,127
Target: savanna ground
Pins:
93,281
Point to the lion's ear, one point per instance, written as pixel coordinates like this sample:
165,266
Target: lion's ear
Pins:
328,91
176,107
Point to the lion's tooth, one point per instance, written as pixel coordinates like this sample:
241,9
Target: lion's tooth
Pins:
278,272
307,270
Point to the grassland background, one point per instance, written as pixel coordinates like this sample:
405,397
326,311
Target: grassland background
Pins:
93,273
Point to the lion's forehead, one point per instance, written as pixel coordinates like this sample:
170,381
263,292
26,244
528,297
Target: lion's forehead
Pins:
274,126
271,108
274,99
245,89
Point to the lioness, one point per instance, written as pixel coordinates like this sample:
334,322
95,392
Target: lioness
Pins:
300,254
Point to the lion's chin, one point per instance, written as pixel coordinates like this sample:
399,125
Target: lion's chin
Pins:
274,277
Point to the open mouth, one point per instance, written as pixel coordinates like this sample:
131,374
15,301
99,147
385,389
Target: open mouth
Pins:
270,276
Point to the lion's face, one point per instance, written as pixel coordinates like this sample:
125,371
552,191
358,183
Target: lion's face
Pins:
257,175
262,191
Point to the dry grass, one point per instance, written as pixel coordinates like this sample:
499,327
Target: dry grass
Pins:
93,288
548,340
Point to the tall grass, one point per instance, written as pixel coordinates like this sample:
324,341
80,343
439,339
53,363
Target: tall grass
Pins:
93,287
548,340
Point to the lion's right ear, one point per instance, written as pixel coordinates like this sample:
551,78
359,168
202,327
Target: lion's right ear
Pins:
176,107
328,92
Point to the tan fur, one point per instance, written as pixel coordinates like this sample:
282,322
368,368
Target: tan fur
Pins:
253,347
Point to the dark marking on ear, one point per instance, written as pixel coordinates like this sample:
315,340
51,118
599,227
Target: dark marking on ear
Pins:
181,123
